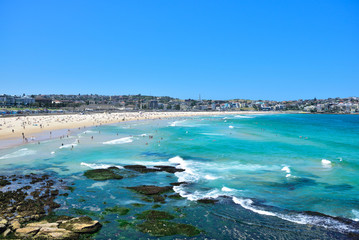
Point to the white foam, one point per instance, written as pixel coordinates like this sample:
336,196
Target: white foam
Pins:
89,131
243,116
189,175
213,134
19,153
197,194
68,145
120,141
326,163
286,169
52,152
226,189
99,184
176,123
288,175
98,166
210,177
297,217
231,127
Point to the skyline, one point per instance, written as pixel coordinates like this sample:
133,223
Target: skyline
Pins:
268,50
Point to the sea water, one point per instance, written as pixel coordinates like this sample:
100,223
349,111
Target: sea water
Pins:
269,173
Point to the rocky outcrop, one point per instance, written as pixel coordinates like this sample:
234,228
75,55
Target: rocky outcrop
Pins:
144,169
103,174
207,200
151,189
61,229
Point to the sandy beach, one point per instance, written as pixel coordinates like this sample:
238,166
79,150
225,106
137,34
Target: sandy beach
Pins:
25,127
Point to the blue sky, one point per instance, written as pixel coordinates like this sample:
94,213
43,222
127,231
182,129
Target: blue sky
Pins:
278,50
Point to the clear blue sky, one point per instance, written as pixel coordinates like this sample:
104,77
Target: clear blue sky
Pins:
251,49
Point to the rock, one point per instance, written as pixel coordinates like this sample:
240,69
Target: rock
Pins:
27,231
56,233
151,189
170,169
155,215
141,168
81,225
103,174
6,233
15,225
160,228
118,210
43,224
3,224
175,196
178,183
207,200
4,182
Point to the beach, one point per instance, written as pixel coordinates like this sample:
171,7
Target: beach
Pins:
25,127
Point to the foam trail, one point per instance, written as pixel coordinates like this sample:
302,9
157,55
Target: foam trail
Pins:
19,153
98,166
120,141
231,127
299,218
247,204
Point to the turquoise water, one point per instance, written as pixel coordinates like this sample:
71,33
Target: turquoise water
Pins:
266,170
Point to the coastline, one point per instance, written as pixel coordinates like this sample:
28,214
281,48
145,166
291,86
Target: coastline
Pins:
43,127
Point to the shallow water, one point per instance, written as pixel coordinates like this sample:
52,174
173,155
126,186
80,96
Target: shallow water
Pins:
265,170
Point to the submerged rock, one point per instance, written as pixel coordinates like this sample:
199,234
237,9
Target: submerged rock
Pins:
155,215
117,210
151,189
160,228
103,174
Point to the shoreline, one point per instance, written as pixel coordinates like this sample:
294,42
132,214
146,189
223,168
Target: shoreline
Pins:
15,130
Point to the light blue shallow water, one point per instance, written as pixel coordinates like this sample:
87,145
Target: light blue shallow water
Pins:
270,168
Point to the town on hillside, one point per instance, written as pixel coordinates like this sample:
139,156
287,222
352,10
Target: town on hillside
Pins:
59,103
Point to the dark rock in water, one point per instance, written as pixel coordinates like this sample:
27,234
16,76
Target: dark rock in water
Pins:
178,183
155,215
169,169
138,205
140,168
160,228
117,210
175,196
3,183
158,198
340,187
103,174
144,169
207,200
151,189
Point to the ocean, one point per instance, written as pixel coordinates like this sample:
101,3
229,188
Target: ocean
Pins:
274,176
